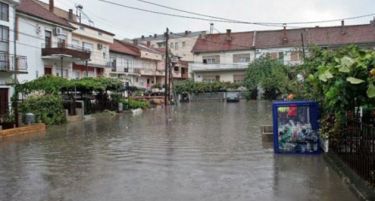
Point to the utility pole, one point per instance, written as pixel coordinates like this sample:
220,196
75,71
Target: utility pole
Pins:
166,35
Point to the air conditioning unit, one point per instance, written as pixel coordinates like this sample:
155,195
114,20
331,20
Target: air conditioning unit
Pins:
100,46
58,31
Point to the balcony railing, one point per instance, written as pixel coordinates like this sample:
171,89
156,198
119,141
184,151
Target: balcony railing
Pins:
73,51
12,63
216,67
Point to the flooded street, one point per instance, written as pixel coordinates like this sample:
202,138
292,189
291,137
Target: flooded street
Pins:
195,152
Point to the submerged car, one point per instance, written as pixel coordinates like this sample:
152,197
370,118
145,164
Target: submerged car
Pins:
233,97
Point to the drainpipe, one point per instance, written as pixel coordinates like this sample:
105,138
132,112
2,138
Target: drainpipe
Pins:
15,65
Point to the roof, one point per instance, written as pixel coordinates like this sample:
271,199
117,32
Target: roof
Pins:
124,48
158,37
322,36
30,7
94,28
221,42
57,11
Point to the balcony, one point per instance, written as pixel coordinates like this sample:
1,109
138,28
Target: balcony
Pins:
13,64
57,50
201,67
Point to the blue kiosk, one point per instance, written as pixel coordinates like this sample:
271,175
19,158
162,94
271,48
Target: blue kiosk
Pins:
296,127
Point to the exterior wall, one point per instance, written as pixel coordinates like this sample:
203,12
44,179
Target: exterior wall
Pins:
287,52
30,41
5,76
224,76
98,56
225,57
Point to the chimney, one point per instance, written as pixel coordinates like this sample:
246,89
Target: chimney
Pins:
148,43
135,42
143,37
212,28
343,27
70,15
228,35
202,35
285,35
51,5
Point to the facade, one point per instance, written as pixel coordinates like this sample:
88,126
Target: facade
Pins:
11,64
225,57
97,41
222,57
125,60
45,39
180,44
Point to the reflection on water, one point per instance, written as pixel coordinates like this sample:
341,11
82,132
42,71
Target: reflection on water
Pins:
199,151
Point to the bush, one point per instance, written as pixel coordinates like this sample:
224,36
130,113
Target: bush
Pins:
189,86
48,109
135,104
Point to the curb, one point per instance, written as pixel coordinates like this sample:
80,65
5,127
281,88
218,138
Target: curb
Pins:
356,184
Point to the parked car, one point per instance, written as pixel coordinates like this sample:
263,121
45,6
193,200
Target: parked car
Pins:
233,97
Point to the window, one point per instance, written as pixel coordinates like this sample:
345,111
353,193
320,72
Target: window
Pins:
176,69
75,43
215,59
183,43
238,78
100,33
4,11
171,45
88,46
4,46
241,58
281,57
176,45
295,56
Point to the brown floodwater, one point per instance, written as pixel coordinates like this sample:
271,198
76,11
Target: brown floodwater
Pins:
209,151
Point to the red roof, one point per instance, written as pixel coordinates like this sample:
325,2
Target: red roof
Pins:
221,42
124,48
323,36
34,9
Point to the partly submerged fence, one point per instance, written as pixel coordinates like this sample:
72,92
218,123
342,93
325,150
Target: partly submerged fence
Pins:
356,147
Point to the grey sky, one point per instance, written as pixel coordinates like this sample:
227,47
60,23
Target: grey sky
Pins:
126,23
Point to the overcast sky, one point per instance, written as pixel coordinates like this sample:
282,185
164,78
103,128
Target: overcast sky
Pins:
126,23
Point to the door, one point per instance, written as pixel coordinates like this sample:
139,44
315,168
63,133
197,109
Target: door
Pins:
47,71
4,101
48,39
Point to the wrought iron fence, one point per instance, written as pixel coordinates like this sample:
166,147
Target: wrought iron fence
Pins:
356,147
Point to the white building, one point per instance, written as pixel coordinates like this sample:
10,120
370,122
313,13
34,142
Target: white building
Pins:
11,65
180,44
222,57
45,39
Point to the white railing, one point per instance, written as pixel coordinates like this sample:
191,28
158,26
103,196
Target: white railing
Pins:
213,67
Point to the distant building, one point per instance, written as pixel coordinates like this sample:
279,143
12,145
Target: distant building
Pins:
225,57
180,44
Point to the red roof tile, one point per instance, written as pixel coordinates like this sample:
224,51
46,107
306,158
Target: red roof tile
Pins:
324,36
124,48
220,42
34,9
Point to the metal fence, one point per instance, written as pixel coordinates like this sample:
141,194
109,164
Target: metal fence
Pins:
356,147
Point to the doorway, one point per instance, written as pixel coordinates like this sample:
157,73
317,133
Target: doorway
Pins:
4,101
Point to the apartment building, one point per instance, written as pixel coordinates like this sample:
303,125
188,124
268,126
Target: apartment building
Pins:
180,44
11,64
222,57
225,57
45,39
125,60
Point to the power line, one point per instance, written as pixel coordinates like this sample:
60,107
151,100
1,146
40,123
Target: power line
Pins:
226,20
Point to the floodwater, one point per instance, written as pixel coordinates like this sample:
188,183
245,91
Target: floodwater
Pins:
193,152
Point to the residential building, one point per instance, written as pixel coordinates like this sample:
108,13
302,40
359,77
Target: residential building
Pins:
45,39
125,60
11,65
180,44
222,57
89,38
225,57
